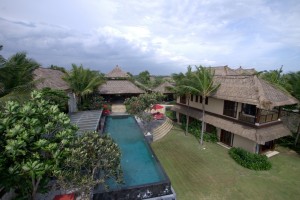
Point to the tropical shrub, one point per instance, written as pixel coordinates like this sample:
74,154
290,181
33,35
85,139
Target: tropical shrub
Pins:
56,97
250,160
93,102
34,139
93,160
139,105
171,114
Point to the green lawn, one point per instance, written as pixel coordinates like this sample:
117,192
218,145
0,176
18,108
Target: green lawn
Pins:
210,173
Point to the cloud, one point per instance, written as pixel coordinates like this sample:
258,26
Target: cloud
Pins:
158,36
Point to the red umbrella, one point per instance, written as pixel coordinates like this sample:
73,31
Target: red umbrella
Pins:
156,107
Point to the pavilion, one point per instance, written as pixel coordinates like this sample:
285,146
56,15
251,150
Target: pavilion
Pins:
118,86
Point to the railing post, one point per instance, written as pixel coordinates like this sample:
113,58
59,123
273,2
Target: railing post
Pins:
279,112
257,116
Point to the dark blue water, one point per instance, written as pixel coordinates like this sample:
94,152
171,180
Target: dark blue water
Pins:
138,164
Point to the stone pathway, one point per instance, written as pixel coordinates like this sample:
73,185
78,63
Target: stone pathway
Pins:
118,108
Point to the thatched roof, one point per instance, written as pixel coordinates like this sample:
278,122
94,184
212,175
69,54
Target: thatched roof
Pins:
242,71
119,87
226,71
162,88
117,72
259,135
50,78
251,90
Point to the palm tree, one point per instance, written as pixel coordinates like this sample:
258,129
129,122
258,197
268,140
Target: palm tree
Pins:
277,79
179,90
83,81
201,83
16,76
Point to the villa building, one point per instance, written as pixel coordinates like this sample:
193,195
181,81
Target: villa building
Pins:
118,86
52,78
245,110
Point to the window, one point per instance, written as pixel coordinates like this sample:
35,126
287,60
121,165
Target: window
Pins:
249,109
183,99
197,98
206,100
192,97
230,108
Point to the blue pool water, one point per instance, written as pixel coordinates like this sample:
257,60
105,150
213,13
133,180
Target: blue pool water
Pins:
138,163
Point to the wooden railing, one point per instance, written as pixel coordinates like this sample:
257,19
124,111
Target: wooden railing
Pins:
247,118
268,116
264,117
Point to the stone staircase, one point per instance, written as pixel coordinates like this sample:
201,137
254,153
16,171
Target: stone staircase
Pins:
162,130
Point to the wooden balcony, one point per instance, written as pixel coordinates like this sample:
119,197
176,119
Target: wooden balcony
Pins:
264,116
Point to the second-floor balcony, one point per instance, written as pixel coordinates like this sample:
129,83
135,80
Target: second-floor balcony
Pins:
262,117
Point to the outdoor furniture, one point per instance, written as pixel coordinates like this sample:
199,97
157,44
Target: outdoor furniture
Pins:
65,197
158,116
156,107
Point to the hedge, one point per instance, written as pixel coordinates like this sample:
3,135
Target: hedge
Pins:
250,160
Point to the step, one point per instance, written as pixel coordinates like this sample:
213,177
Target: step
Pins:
164,129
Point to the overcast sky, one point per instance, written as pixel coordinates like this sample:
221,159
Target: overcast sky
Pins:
162,37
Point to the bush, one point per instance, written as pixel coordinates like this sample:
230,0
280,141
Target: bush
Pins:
250,160
210,137
171,114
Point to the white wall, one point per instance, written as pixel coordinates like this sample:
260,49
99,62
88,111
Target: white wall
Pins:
244,143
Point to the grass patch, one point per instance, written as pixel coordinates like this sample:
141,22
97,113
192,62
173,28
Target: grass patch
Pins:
210,173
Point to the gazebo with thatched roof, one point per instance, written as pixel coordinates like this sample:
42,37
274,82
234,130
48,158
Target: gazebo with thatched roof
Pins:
163,89
118,86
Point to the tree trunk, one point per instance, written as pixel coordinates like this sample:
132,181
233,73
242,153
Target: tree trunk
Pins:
298,133
202,128
35,186
187,117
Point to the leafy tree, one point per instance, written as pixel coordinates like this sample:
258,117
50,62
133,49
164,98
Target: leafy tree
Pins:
201,83
83,81
34,139
56,97
138,105
144,78
294,81
157,81
180,90
277,78
92,161
16,76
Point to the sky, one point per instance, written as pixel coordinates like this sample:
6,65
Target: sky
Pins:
161,36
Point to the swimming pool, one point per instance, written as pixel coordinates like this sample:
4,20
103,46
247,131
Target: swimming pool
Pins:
143,175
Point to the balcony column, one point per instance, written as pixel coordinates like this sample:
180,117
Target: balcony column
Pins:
257,116
279,112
